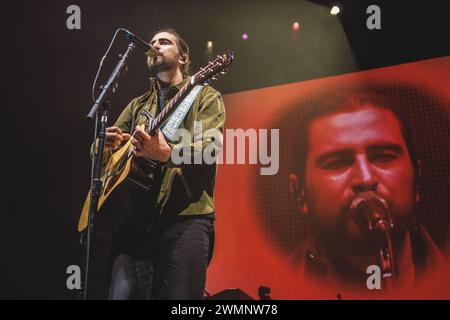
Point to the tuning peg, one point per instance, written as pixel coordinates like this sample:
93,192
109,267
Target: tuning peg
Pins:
223,71
214,78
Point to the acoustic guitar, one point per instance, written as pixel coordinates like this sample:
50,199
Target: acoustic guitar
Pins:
124,172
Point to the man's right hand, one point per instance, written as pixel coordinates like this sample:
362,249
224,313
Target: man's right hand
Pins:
114,138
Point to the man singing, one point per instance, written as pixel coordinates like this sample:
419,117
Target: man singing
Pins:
356,150
163,250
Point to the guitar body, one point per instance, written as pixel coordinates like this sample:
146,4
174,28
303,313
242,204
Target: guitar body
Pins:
123,175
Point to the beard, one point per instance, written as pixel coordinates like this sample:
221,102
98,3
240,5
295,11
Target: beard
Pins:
347,234
160,64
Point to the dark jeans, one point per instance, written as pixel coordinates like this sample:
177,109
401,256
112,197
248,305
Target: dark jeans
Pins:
170,262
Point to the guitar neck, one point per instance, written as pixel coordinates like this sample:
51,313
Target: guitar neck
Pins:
167,111
210,71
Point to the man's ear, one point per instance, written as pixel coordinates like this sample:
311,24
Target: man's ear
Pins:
418,178
184,58
298,193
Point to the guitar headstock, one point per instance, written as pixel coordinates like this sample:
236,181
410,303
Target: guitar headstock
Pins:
220,65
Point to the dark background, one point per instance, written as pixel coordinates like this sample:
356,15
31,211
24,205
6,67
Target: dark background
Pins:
48,70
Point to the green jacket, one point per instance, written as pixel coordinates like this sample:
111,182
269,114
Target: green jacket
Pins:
187,189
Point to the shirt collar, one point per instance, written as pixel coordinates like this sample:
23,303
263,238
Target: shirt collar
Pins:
155,85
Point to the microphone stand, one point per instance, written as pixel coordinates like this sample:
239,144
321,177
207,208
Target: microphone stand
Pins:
374,210
385,251
99,111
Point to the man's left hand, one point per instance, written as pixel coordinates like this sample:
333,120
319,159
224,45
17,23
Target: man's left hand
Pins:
152,147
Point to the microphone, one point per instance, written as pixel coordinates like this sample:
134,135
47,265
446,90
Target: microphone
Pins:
373,210
151,51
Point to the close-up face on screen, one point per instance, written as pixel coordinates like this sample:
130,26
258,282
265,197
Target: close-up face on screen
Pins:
362,166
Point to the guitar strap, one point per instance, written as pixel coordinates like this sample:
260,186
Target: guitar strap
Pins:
178,115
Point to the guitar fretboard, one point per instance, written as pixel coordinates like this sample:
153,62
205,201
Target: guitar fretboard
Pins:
169,108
